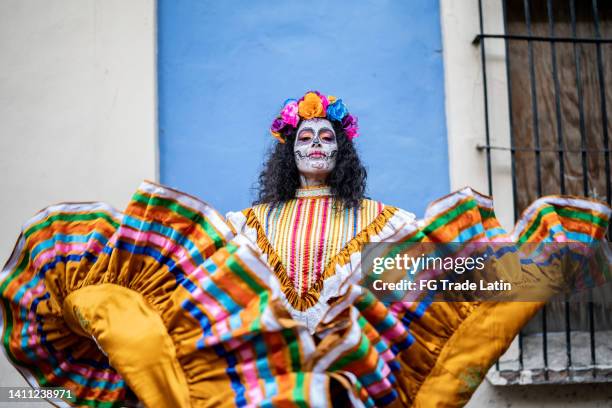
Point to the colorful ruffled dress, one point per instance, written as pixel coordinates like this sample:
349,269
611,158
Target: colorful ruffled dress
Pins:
173,304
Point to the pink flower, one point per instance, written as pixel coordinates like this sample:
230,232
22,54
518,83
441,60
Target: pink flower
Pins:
324,101
351,133
351,128
277,125
289,114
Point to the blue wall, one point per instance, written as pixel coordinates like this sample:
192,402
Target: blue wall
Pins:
225,68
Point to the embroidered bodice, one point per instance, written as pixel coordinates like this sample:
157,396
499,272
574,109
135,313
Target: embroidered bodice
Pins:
308,231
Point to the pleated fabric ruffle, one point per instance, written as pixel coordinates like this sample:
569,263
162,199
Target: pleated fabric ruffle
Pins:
149,249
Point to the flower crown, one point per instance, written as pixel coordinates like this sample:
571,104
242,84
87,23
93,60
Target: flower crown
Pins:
314,105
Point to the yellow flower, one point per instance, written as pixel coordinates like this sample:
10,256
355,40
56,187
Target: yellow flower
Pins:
331,99
311,106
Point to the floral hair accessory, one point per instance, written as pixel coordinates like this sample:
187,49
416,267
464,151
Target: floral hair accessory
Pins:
313,105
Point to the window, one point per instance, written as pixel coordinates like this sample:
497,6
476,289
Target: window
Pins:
558,58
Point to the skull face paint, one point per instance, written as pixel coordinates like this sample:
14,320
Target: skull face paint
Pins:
315,149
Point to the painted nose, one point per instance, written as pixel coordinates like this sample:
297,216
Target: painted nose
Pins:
316,142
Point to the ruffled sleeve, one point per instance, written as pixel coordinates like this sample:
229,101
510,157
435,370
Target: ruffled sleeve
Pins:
238,221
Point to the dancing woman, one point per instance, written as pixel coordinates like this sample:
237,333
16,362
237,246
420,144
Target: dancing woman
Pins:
170,304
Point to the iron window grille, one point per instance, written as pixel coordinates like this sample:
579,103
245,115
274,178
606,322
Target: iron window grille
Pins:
576,339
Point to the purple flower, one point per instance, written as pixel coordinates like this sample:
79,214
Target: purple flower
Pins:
277,125
349,120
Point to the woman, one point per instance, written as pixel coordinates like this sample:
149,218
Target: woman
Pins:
183,308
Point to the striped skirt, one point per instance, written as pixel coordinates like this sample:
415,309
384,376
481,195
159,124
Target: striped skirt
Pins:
164,304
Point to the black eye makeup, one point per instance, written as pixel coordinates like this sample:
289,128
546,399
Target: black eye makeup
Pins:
315,134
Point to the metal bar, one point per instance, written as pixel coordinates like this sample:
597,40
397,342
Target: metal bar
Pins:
604,111
532,149
604,123
592,333
486,99
545,341
534,100
553,56
512,152
486,110
568,337
510,121
592,40
536,139
585,175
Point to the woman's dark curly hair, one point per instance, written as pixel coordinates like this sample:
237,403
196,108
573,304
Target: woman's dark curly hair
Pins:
280,176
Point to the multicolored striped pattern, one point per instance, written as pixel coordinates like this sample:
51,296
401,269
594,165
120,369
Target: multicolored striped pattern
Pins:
226,312
59,242
239,346
308,232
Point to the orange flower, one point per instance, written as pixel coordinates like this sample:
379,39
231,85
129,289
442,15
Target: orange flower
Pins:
331,99
278,136
311,106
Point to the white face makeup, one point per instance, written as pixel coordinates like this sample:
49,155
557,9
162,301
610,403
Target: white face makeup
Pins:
315,150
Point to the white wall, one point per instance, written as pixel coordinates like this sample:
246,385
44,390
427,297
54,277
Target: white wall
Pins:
77,104
77,107
465,115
